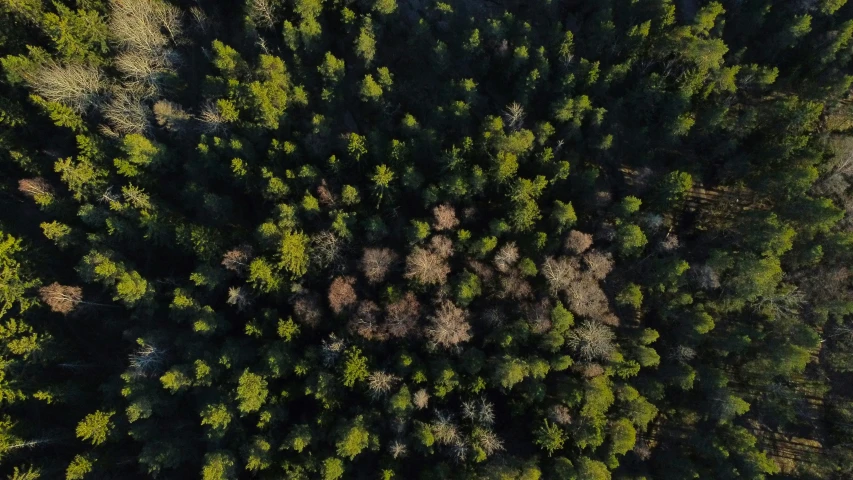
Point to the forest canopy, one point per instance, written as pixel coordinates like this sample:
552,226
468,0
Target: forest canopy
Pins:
415,239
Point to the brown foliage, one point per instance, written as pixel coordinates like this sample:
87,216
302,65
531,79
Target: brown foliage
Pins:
238,259
33,187
538,315
448,325
514,286
560,272
401,316
590,370
560,414
365,322
427,266
441,245
61,298
482,270
325,195
587,299
342,294
376,262
306,309
445,217
598,264
578,242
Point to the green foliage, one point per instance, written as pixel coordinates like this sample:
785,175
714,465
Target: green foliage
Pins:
251,392
333,468
550,437
78,468
355,367
218,466
294,253
96,427
351,242
353,439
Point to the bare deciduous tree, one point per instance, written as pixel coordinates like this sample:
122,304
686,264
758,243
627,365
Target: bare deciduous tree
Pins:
127,112
325,249
420,399
210,118
487,412
560,272
261,12
306,309
705,277
401,316
376,262
427,267
444,430
578,242
590,370
171,116
397,449
380,383
598,264
514,115
441,245
238,259
332,348
494,317
35,188
239,297
506,257
682,354
587,299
448,325
669,243
591,340
342,294
325,195
61,298
140,25
488,440
538,315
147,360
365,322
482,270
74,85
514,286
560,414
445,217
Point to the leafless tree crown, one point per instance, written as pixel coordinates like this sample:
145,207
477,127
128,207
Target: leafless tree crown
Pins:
445,217
74,85
578,242
35,187
61,298
238,259
420,399
448,325
506,257
592,340
376,262
427,266
342,294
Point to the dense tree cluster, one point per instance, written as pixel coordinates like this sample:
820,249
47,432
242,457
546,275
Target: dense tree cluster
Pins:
420,239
